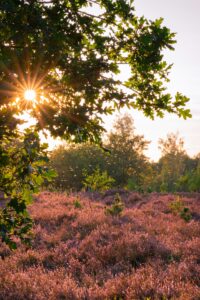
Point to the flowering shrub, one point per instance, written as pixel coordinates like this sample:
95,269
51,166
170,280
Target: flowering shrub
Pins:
146,253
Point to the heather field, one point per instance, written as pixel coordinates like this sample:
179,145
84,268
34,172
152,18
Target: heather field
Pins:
81,250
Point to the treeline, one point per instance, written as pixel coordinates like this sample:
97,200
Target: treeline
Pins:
122,158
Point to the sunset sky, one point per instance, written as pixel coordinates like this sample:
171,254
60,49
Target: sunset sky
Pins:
182,17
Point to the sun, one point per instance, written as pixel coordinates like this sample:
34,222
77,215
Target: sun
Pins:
30,95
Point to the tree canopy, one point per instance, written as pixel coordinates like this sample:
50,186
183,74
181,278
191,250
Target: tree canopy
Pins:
127,159
71,57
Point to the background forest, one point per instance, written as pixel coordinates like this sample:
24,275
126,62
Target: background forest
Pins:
121,162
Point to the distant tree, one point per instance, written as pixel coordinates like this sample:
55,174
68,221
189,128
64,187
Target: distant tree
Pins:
127,160
194,179
172,163
190,180
173,144
71,57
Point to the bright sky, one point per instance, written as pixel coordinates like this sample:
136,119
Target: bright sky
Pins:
182,17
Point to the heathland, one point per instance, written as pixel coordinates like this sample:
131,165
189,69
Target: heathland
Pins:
107,246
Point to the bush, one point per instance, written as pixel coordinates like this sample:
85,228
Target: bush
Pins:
117,207
177,208
185,214
77,203
98,181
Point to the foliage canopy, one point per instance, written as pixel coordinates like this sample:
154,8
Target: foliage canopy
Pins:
71,56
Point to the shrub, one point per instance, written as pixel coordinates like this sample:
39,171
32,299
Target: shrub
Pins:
98,181
77,203
185,214
117,206
177,208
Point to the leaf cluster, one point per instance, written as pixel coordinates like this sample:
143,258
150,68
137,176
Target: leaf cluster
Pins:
97,181
23,168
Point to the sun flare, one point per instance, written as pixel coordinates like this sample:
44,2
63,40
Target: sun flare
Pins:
30,95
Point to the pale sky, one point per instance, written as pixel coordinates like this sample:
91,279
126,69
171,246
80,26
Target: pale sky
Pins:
182,17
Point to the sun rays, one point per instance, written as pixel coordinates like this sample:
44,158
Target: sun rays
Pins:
30,95
24,83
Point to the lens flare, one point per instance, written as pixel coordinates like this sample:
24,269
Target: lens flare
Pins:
30,95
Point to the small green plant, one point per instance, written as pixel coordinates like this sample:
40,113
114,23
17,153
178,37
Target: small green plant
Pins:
116,208
77,203
185,214
177,208
98,181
